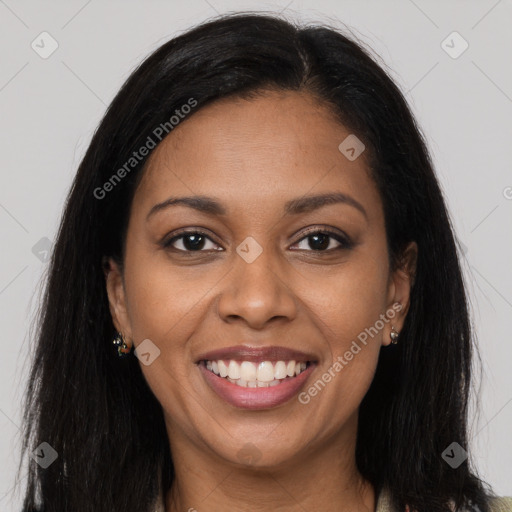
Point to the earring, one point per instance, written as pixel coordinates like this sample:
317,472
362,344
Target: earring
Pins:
122,348
394,335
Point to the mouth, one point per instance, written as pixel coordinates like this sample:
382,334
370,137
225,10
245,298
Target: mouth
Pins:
256,378
247,374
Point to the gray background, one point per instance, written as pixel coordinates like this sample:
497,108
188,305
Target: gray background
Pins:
50,107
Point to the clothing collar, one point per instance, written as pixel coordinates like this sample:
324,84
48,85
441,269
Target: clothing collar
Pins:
383,502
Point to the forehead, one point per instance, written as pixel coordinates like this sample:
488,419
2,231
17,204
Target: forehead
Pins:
277,145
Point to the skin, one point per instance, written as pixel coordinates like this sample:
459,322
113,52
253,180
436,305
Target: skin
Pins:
253,156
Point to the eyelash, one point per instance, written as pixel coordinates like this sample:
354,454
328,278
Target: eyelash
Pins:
345,241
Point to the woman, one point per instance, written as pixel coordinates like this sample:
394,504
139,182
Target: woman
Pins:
255,300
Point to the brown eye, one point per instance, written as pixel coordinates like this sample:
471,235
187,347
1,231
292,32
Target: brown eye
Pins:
324,241
190,241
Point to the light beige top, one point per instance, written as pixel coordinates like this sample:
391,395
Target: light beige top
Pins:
384,504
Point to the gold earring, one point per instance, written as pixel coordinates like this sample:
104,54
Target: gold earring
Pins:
122,348
394,335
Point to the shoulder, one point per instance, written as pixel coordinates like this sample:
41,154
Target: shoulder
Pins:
503,504
498,504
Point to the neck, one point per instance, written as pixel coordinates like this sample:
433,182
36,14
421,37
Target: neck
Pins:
325,478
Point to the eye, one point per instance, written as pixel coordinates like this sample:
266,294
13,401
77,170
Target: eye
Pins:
322,240
190,241
319,240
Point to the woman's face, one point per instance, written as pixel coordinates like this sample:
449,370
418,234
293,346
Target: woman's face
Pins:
256,277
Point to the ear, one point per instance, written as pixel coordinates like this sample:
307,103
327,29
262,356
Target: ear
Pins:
117,299
399,291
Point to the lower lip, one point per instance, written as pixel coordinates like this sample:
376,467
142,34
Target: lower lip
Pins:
256,398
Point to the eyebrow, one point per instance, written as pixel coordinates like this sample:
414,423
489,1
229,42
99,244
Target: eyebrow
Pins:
297,206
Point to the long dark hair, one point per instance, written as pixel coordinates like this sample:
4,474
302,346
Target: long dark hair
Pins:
98,412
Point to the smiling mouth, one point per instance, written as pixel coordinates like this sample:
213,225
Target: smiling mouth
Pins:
248,374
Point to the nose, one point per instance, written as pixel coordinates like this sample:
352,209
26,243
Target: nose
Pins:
256,293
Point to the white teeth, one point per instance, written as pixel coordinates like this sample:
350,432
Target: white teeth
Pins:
265,372
223,369
252,375
234,370
280,370
248,371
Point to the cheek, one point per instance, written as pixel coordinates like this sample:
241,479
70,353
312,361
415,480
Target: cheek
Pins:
164,305
350,311
353,300
160,295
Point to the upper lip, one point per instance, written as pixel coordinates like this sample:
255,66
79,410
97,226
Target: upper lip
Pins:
256,354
